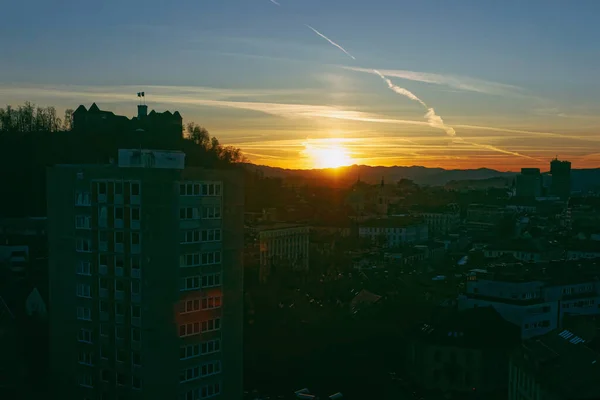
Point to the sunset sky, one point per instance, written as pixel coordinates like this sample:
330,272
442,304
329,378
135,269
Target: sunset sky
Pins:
517,82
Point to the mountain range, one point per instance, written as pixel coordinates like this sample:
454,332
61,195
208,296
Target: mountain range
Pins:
582,179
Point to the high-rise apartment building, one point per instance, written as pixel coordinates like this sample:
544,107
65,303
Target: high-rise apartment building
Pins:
529,183
146,278
561,178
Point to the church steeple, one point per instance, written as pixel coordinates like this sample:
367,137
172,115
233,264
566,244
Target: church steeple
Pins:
382,182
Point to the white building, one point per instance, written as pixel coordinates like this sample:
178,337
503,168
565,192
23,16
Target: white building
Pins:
283,245
395,231
537,306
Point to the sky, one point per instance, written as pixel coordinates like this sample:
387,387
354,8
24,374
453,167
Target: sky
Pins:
503,84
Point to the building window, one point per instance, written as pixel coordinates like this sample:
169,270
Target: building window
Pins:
189,213
209,303
190,260
119,213
191,306
211,258
85,336
210,390
119,262
190,283
84,313
135,189
211,212
104,329
211,235
120,332
135,239
84,268
85,358
135,287
82,199
189,374
211,325
135,214
104,353
211,346
211,280
102,188
198,349
83,222
189,329
103,282
105,375
135,263
136,335
119,309
85,379
120,355
191,236
104,306
136,382
119,237
211,368
119,187
119,286
83,246
83,290
121,381
136,358
136,312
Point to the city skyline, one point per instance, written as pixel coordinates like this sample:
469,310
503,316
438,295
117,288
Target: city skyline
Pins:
516,90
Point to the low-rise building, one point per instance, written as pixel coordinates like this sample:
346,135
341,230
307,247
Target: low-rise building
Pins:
462,354
442,220
534,297
524,250
283,245
395,231
555,366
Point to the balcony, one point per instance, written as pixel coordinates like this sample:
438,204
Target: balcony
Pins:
119,319
103,293
136,298
133,199
119,248
103,269
104,316
135,249
101,198
137,322
102,222
119,295
136,273
136,346
118,199
134,225
118,271
119,224
102,246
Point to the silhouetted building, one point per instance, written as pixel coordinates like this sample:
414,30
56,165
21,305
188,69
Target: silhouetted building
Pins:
466,353
561,178
529,183
394,231
145,279
556,366
159,130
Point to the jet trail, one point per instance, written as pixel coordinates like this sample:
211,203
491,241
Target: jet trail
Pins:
275,2
434,120
330,41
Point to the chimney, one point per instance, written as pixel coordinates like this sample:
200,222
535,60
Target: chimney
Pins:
142,111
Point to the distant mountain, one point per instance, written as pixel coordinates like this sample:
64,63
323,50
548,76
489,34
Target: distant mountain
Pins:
582,179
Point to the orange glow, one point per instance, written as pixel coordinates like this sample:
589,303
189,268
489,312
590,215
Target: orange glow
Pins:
331,154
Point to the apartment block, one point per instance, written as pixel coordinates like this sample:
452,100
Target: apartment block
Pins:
283,246
146,278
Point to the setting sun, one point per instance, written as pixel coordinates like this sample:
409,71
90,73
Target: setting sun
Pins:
328,155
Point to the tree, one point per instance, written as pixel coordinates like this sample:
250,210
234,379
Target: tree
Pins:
198,134
68,120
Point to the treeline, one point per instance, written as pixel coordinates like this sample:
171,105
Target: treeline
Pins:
29,118
34,138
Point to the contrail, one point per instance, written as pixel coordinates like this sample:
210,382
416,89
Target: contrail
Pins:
434,120
330,41
399,90
275,2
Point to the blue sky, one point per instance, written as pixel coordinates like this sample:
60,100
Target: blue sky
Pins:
278,90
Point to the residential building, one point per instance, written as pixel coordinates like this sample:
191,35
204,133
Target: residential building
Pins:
583,249
394,231
146,279
283,246
561,178
525,249
483,218
441,221
535,297
463,353
556,366
529,183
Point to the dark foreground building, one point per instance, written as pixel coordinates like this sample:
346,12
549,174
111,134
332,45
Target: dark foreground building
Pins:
145,261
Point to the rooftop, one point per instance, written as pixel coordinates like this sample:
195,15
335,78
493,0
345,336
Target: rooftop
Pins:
563,363
272,226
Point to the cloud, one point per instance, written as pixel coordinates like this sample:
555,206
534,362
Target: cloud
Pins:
275,2
437,122
331,41
456,82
